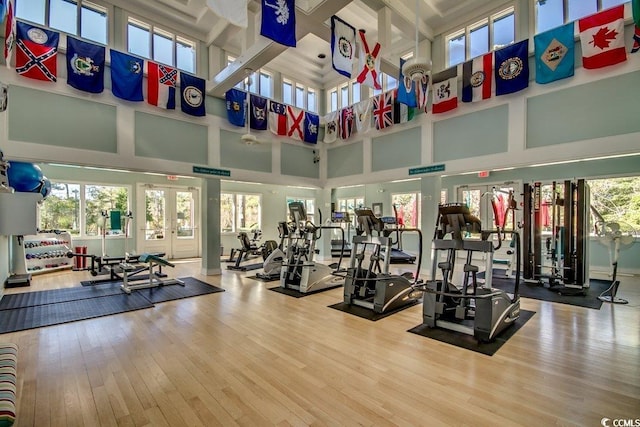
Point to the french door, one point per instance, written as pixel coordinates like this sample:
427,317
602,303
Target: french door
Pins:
168,221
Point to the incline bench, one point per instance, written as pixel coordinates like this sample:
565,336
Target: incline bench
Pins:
154,280
8,369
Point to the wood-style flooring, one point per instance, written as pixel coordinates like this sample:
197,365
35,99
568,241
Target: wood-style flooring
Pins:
253,357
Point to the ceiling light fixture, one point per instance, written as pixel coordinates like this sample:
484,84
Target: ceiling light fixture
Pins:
416,68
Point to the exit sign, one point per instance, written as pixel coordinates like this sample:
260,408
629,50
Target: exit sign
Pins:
483,174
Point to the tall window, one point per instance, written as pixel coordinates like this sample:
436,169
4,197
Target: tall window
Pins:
163,46
239,212
299,95
616,201
61,209
342,96
408,208
261,82
75,17
287,92
553,13
349,205
485,35
387,82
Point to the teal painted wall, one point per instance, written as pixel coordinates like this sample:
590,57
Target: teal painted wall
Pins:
160,137
603,108
296,160
396,150
235,154
345,160
48,118
470,135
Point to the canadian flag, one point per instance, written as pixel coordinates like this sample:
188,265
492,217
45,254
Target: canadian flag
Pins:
602,38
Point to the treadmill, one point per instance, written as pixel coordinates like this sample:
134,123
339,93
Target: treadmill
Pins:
340,246
392,226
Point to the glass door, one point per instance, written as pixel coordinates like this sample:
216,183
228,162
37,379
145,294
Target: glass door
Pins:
169,220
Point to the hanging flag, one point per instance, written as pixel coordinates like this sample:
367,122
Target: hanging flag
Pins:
85,65
161,85
343,43
235,106
331,127
311,125
602,38
362,111
126,76
554,53
512,68
295,122
258,116
277,118
445,90
233,11
37,52
422,93
407,89
279,21
383,110
369,63
402,113
635,8
9,31
477,74
346,121
193,93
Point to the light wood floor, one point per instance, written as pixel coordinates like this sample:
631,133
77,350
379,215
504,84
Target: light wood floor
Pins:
252,357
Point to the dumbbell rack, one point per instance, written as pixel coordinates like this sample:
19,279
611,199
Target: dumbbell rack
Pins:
45,252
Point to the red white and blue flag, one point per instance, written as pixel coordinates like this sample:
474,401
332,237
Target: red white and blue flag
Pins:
602,38
9,31
477,74
383,110
347,122
295,123
277,118
37,52
161,85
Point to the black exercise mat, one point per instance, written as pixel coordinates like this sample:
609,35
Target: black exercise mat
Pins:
53,296
254,277
109,280
366,313
468,342
192,288
297,294
539,292
69,311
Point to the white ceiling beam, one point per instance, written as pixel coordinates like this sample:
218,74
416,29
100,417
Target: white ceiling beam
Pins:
406,20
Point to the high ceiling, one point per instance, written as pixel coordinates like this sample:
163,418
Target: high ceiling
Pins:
391,22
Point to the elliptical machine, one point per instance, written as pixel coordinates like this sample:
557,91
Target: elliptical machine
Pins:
272,265
473,308
299,270
369,284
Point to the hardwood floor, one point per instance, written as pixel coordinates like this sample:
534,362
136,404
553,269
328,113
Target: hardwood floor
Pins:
252,357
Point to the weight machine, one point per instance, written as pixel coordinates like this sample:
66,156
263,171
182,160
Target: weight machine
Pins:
564,260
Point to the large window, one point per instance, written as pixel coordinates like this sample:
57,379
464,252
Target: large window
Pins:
617,201
408,207
239,212
151,42
76,17
61,210
299,95
261,82
553,13
349,205
487,34
342,96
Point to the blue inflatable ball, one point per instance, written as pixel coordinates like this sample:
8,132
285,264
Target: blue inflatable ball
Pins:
24,177
45,190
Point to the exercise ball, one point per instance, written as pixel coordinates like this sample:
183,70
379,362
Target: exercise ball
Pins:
45,190
24,177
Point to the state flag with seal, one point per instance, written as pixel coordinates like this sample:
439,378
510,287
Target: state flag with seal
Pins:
512,68
554,53
36,52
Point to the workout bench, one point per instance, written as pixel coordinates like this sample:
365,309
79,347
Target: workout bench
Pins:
154,280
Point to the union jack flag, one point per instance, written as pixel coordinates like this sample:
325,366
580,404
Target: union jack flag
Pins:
383,110
347,121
